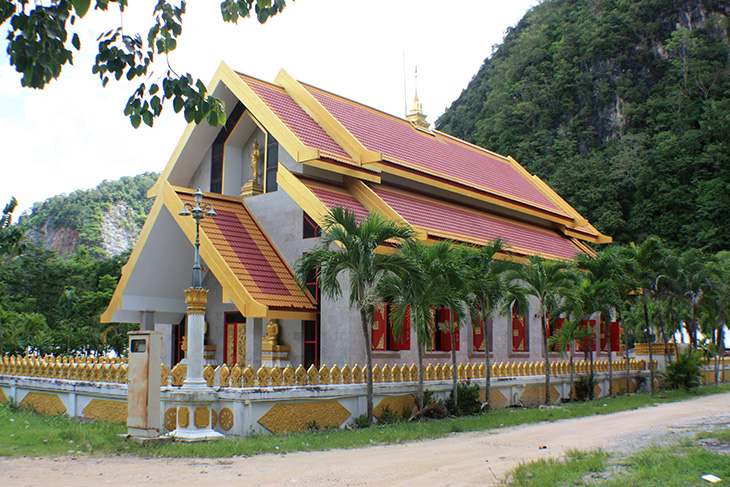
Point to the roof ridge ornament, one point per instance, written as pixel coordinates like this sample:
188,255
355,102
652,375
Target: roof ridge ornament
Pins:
416,115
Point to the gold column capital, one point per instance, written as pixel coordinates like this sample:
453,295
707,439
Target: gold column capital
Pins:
196,299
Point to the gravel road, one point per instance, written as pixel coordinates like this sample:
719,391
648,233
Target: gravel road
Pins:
462,459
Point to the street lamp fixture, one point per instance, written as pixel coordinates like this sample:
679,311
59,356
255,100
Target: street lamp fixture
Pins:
198,212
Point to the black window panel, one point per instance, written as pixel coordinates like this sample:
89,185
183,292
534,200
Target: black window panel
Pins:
272,163
216,166
235,317
310,331
311,229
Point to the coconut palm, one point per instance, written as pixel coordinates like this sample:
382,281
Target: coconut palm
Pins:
350,247
548,281
487,287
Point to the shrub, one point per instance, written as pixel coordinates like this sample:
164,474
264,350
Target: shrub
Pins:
388,416
362,421
685,372
469,402
585,387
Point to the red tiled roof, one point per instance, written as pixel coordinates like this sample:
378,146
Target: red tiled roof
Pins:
248,252
333,196
435,154
301,124
459,222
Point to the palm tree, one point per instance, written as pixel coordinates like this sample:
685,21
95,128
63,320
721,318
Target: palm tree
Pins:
487,287
610,287
350,246
565,338
696,283
413,292
548,281
648,258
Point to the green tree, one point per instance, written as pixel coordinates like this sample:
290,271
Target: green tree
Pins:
41,37
348,246
566,337
414,291
548,281
11,236
487,288
648,258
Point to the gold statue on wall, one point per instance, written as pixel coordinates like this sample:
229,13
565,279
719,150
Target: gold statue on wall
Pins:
255,156
253,187
272,334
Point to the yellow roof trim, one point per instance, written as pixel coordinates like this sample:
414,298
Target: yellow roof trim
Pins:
374,204
358,152
116,302
578,220
355,172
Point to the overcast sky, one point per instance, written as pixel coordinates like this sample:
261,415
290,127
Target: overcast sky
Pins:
73,134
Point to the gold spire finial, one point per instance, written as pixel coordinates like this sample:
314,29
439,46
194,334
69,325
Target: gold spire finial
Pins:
416,115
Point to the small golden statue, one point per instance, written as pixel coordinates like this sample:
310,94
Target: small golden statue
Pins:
255,156
272,334
253,187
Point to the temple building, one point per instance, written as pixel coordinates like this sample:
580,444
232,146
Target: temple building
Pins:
287,154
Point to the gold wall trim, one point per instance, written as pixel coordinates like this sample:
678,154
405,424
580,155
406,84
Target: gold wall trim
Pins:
3,397
43,402
283,418
106,410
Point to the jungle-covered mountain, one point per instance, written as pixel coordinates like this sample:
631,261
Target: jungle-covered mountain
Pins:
106,220
59,266
622,106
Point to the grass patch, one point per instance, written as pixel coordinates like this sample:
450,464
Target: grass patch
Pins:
679,465
24,433
551,472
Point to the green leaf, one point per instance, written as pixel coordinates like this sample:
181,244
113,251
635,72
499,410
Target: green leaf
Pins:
76,42
81,6
177,104
136,120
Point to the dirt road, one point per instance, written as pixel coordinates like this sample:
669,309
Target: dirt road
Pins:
463,459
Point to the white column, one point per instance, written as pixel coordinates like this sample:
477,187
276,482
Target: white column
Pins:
196,299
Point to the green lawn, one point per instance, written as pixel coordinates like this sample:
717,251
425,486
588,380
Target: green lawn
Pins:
25,433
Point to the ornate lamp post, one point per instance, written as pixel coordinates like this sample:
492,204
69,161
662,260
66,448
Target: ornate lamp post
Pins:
194,401
198,212
196,298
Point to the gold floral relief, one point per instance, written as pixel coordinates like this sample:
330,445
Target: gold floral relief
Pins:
225,417
170,419
3,397
183,417
202,417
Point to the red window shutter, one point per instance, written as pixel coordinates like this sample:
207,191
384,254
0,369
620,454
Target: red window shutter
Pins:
380,327
604,335
615,337
404,341
593,335
478,337
519,334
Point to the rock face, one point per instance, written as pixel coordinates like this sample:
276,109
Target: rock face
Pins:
118,233
63,240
